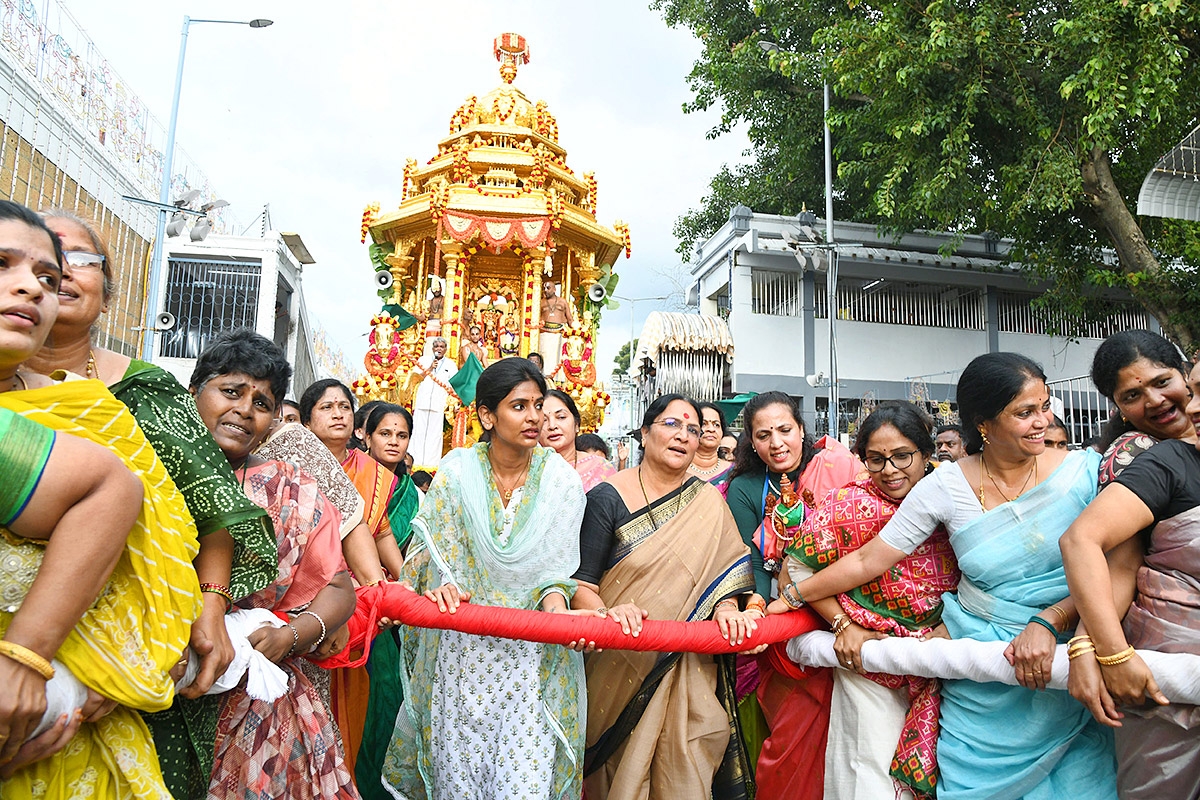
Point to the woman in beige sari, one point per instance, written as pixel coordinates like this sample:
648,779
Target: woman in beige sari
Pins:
656,542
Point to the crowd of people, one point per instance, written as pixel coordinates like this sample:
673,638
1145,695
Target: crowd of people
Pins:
138,517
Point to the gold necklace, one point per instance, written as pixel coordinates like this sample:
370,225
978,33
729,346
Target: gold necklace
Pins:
520,481
646,496
1007,499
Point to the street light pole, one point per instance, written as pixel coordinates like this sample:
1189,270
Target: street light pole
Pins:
150,318
831,249
831,276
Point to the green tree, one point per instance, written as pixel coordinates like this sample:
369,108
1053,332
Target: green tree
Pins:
621,360
1036,121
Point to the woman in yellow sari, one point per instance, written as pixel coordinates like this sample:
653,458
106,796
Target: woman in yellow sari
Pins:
129,638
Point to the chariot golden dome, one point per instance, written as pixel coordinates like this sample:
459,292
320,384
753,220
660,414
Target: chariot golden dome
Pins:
494,216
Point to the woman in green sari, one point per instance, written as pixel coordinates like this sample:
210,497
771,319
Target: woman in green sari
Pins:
238,553
386,430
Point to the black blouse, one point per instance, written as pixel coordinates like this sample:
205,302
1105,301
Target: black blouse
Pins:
604,515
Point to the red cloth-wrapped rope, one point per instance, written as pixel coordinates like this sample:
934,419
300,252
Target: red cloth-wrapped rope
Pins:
403,605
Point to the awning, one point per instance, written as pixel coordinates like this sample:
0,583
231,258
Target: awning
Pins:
1172,188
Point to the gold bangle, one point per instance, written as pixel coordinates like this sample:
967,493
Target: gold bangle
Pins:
1116,658
1075,648
27,658
1071,656
840,623
1061,615
1083,637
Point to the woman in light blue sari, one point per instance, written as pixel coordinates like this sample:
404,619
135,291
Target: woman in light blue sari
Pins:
486,717
1005,506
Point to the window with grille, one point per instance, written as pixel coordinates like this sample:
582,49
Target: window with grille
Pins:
1018,315
904,303
775,293
208,296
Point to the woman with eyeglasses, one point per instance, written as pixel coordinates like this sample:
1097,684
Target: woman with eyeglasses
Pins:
708,464
238,553
659,542
877,718
728,446
1005,507
794,703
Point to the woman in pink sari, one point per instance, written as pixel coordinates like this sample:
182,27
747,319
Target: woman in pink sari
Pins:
284,749
560,425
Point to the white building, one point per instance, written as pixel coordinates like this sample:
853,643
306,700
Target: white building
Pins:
75,135
228,282
908,318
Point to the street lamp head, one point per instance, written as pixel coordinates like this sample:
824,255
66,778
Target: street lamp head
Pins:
768,47
261,23
201,230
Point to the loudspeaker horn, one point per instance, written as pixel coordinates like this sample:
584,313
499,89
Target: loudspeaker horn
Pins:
383,279
166,321
597,293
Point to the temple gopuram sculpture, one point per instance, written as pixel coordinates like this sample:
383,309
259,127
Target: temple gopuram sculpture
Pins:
482,227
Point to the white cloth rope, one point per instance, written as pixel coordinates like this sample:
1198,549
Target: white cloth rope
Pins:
264,680
1177,674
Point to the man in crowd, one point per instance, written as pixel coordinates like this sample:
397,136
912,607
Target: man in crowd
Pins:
949,443
434,371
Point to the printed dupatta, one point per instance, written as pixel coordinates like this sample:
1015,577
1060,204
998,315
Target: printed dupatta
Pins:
459,537
906,600
286,749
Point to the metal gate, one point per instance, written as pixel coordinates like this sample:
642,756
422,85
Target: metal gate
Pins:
1085,410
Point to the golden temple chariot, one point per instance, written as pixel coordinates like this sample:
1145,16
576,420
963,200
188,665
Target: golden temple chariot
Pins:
480,228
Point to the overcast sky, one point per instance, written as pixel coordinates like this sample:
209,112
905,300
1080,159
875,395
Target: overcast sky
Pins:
316,115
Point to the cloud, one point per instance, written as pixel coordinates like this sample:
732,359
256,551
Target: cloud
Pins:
316,115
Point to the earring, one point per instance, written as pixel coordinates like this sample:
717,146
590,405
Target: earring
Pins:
985,439
1123,419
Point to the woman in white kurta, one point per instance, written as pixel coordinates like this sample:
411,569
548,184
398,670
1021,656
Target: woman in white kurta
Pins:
484,717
